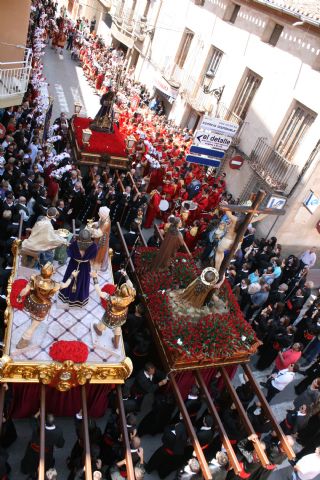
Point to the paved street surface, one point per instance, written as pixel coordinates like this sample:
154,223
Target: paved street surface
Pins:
67,84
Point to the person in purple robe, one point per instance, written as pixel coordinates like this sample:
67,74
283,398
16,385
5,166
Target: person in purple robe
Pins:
81,251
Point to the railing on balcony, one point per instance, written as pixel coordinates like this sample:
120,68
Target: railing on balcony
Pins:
193,92
127,24
14,76
275,170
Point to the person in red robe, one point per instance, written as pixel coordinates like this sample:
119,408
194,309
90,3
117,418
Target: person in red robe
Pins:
192,235
99,81
169,188
153,208
214,199
203,205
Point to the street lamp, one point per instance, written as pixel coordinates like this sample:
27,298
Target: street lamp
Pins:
77,108
86,135
217,92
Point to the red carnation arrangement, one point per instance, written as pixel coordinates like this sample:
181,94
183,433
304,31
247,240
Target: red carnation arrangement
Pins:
17,287
110,289
64,350
201,340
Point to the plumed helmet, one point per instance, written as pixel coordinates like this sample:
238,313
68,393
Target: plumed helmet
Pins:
126,291
47,270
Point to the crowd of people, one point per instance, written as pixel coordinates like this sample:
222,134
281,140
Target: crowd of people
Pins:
37,171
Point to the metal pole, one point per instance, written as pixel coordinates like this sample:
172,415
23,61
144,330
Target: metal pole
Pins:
73,227
125,436
265,405
124,246
223,434
196,445
20,225
41,470
88,468
244,418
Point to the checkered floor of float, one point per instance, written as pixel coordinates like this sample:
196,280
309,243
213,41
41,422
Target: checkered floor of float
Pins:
65,323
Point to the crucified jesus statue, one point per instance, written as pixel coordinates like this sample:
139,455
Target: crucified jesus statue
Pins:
227,241
235,233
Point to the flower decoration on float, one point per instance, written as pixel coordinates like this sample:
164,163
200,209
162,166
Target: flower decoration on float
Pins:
205,338
64,350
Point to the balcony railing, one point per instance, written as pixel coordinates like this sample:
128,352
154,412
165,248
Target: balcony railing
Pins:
14,76
275,170
191,89
127,24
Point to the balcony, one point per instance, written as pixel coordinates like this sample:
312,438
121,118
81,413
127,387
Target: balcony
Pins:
191,90
14,79
127,29
279,174
173,74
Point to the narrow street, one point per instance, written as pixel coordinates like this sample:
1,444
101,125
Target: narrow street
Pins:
68,84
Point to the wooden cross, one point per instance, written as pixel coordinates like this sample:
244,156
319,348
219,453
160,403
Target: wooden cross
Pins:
250,212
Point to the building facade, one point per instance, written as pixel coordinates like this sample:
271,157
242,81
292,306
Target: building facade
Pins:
15,57
260,62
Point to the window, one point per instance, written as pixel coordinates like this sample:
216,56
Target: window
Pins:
248,88
234,13
184,48
295,127
215,59
275,35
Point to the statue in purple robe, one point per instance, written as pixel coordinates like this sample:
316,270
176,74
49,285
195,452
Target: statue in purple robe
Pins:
81,252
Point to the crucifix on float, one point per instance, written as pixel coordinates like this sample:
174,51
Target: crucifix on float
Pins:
235,233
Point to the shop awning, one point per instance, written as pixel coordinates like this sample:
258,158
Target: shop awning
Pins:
161,84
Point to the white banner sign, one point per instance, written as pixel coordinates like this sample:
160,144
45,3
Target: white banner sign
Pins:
219,125
276,202
213,140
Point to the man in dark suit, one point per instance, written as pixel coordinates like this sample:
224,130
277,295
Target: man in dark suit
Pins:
20,209
192,403
149,380
205,433
8,203
170,455
131,236
53,438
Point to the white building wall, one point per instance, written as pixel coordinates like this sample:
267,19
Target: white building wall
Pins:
287,75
